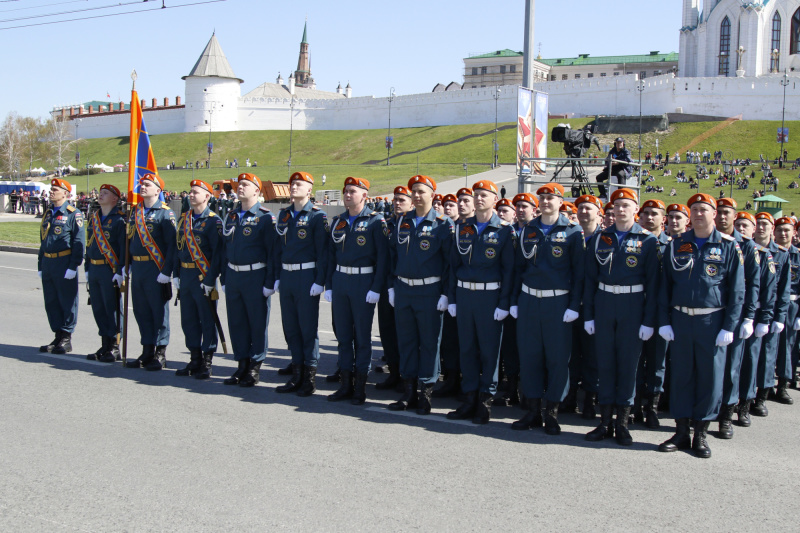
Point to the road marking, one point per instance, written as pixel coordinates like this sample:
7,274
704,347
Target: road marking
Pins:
15,268
414,415
75,359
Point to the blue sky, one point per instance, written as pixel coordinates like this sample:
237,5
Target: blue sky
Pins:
410,45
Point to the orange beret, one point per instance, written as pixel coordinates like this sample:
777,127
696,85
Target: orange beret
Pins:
302,176
358,182
425,180
609,207
64,184
744,215
703,199
437,197
200,183
589,199
785,220
111,188
464,191
655,204
503,202
680,208
485,185
449,198
525,197
401,189
568,207
551,188
155,178
727,202
765,216
252,178
623,194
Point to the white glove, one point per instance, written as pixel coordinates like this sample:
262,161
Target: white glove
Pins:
373,297
645,333
327,295
176,282
499,314
797,323
267,292
316,290
277,286
451,308
86,276
514,311
761,330
117,280
70,274
391,297
441,305
588,327
777,327
724,337
39,273
747,328
666,333
163,278
570,316
222,288
206,289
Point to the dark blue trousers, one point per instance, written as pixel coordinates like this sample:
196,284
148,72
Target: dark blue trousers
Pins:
300,316
353,317
618,345
248,314
387,328
509,353
60,295
197,320
105,301
479,337
449,348
749,369
150,310
419,330
767,360
734,356
784,367
583,362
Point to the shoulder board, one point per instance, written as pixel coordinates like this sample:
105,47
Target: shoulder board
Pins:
70,209
440,217
212,214
314,208
781,248
373,213
647,231
746,238
263,209
727,237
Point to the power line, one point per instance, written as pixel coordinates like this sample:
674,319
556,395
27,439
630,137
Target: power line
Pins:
40,5
44,15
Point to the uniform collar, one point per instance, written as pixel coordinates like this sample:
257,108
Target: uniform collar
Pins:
562,220
430,216
253,210
715,237
306,208
494,222
364,213
204,214
636,228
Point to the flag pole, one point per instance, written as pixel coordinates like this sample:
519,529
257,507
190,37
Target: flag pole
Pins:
129,214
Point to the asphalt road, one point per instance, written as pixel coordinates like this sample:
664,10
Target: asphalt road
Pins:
91,447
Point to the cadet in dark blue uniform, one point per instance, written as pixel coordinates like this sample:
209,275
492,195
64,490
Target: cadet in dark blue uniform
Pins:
301,259
105,252
619,305
60,254
357,268
197,264
702,292
151,231
548,288
784,232
482,270
508,384
420,250
250,243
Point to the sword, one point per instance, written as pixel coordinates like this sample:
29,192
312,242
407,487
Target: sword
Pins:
212,297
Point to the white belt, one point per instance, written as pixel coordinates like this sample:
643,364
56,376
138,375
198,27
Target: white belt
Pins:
355,270
696,311
470,286
298,266
793,297
246,268
543,293
620,289
423,281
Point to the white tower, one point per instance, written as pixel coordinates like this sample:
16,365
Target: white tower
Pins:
212,92
690,18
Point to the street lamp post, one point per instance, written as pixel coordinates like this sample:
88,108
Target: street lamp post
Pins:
210,116
784,82
495,146
389,134
640,88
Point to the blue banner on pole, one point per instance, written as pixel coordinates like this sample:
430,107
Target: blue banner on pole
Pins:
783,135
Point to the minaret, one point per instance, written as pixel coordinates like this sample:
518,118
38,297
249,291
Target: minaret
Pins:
303,73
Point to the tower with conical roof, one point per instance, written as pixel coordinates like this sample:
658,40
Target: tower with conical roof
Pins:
302,76
212,92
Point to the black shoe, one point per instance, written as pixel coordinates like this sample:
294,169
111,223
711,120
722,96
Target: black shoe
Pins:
637,413
424,398
450,386
345,391
335,377
108,355
195,359
466,409
726,421
759,406
409,399
359,389
309,385
606,420
64,344
159,360
483,409
100,351
252,377
743,413
392,380
781,394
622,434
570,403
651,413
148,353
589,410
49,347
700,444
237,376
533,418
204,372
285,371
295,382
681,440
551,426
511,395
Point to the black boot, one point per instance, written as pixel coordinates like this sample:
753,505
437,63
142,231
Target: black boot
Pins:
108,355
204,372
159,360
466,409
424,398
253,376
700,444
781,394
570,403
450,385
589,411
759,406
637,413
726,421
335,377
651,413
53,343
94,356
309,385
483,409
239,374
533,418
345,391
64,344
621,427
195,360
511,395
743,413
605,429
148,353
681,440
359,389
285,371
392,380
551,426
409,399
294,382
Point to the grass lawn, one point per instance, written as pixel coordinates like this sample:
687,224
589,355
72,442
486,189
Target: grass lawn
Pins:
25,233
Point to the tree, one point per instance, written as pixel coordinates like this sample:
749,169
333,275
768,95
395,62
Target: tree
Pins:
11,142
32,133
61,139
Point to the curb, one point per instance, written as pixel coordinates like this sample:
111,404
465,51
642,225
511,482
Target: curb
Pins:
19,249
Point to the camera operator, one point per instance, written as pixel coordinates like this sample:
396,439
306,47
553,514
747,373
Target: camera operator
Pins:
619,155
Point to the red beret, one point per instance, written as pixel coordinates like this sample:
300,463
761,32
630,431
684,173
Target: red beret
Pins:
503,202
703,199
155,178
401,189
569,207
64,184
485,185
727,202
252,178
437,197
551,188
609,207
623,194
525,197
785,220
464,191
302,176
425,180
680,208
765,216
202,184
358,182
111,188
655,204
744,215
589,199
449,198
